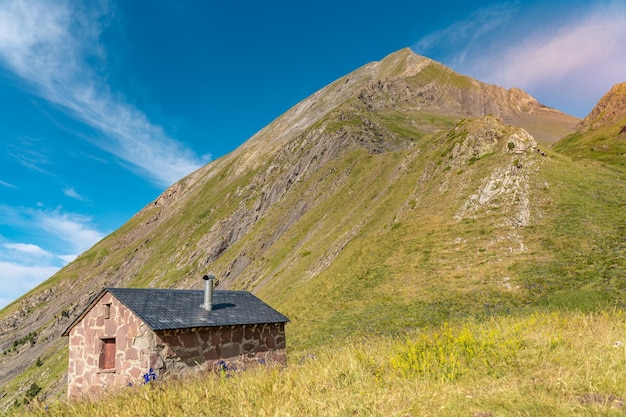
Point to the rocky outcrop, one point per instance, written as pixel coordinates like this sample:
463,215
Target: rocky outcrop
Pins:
507,188
610,109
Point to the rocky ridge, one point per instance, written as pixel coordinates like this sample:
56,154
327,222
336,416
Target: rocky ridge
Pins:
610,109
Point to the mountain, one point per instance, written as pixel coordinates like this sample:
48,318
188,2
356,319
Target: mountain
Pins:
602,134
401,195
611,109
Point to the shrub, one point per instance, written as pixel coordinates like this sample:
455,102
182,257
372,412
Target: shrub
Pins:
33,391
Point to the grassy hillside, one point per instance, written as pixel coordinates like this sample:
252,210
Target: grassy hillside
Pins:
382,242
399,241
387,250
606,144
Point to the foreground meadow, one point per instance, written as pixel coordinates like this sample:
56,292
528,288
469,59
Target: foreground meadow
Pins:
542,363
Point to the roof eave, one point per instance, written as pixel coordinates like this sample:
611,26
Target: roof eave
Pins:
162,329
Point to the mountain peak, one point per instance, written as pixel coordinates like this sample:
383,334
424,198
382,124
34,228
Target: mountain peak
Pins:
403,63
610,109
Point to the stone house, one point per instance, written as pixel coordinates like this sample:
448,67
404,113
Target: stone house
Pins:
126,335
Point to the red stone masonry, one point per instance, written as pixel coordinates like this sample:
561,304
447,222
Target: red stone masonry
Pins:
133,342
169,352
179,351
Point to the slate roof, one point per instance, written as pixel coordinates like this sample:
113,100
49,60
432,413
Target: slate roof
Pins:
163,309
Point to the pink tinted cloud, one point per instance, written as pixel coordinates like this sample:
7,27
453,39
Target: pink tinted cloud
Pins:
594,43
569,66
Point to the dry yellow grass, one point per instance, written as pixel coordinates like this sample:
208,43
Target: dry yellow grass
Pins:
549,364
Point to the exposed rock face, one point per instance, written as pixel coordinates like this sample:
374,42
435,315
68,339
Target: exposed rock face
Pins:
404,82
610,109
487,135
430,87
507,188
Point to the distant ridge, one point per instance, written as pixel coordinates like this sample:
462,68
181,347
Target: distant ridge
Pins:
601,136
609,110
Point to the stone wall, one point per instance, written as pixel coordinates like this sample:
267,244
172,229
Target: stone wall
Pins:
134,343
170,353
236,346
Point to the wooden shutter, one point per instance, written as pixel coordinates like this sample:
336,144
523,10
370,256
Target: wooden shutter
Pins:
107,354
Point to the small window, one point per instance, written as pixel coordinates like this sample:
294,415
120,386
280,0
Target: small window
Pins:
107,311
107,354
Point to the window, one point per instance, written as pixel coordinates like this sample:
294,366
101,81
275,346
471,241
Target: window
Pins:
107,354
107,311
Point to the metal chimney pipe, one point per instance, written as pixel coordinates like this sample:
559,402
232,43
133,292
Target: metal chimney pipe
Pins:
208,292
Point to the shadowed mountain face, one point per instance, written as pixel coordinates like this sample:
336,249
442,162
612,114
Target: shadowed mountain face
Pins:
398,196
611,109
601,136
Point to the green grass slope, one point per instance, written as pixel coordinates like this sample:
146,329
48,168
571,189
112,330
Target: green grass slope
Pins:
606,144
402,258
601,136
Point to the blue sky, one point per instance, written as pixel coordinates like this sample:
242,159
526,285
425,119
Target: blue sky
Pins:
104,104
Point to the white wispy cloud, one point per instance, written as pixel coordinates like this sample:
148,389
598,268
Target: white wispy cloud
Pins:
17,279
30,153
7,184
28,249
77,231
591,42
466,36
72,193
61,236
52,47
22,267
74,229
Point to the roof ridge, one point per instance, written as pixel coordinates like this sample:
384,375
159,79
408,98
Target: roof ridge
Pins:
172,289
